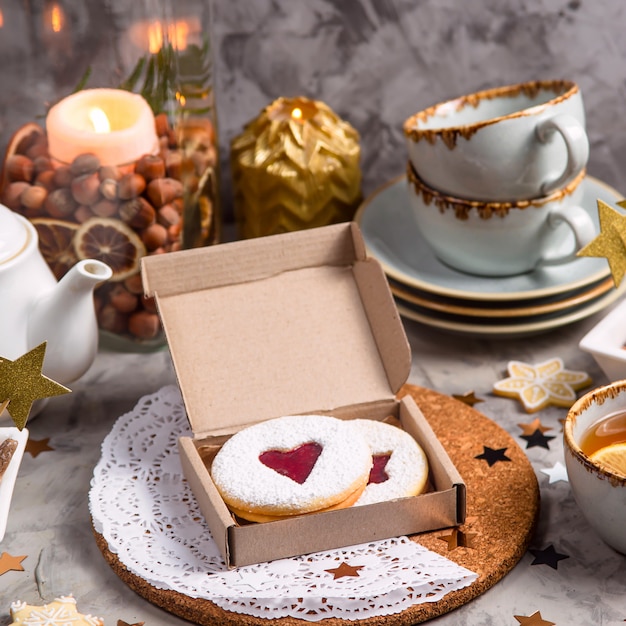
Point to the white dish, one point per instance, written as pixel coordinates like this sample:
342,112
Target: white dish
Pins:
7,482
392,237
532,309
605,342
487,329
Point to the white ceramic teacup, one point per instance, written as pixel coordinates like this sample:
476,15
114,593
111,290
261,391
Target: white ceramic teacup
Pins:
600,494
501,238
508,143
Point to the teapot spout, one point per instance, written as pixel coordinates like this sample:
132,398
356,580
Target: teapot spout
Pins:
65,318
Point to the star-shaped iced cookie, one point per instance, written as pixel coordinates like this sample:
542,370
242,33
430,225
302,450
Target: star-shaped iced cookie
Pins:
61,612
540,385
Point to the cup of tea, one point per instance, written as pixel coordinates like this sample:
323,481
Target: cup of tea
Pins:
594,439
501,238
507,143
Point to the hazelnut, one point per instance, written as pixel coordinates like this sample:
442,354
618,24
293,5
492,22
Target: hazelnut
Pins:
149,304
150,166
60,203
11,196
109,318
104,208
174,164
108,188
86,163
19,168
130,186
110,171
164,190
42,164
62,176
122,300
137,212
155,236
82,214
33,198
161,124
86,188
45,179
173,232
168,215
144,325
134,284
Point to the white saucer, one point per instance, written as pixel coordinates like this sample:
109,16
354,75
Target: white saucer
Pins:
466,326
392,237
7,483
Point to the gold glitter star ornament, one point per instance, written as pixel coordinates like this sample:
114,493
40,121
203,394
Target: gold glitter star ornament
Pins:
611,242
21,383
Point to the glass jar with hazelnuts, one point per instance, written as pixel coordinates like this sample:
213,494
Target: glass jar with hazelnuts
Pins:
127,167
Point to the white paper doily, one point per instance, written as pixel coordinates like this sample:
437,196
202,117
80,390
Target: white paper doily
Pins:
142,506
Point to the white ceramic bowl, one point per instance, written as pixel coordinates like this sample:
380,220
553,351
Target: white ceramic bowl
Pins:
7,482
601,495
606,341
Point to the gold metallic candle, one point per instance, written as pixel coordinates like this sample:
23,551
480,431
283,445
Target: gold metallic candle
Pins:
295,166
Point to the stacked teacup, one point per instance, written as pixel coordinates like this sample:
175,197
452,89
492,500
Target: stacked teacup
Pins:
495,177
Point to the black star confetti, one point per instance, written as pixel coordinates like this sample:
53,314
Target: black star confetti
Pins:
547,556
537,439
492,456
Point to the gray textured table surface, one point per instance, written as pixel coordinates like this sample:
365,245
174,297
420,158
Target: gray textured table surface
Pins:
50,521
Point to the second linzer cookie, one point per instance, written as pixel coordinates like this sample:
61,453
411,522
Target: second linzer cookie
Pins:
292,465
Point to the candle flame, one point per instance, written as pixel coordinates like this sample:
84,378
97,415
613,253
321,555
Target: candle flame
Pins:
56,18
99,120
177,33
296,114
1,18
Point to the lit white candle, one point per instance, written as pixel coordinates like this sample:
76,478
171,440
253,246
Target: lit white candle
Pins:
78,124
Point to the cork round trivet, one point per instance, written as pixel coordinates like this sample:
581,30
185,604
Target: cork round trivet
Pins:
502,508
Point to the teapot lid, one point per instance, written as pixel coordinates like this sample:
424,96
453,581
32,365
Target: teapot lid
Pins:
14,234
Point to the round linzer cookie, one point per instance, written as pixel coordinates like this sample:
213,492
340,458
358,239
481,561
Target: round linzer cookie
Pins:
400,466
292,465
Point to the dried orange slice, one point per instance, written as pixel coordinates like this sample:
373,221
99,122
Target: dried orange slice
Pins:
56,243
112,242
31,129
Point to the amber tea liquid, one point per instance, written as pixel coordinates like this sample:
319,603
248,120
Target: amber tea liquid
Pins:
605,432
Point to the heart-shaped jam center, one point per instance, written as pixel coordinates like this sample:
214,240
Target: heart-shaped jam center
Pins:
378,473
296,464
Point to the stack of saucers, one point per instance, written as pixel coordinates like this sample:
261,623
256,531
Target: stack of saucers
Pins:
481,235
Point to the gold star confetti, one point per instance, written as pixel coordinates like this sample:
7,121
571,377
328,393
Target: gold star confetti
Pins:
37,446
534,620
529,429
540,385
10,563
468,398
611,242
458,539
345,570
21,383
58,613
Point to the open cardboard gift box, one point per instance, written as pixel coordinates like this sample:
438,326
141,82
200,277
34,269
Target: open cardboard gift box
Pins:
294,323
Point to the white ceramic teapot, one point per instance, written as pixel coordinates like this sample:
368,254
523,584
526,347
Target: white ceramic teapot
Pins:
35,308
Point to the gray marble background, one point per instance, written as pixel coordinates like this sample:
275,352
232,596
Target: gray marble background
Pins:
375,62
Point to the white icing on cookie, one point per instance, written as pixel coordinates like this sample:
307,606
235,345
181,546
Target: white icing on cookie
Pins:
407,467
247,484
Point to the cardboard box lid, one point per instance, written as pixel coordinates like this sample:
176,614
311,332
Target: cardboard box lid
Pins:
278,325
